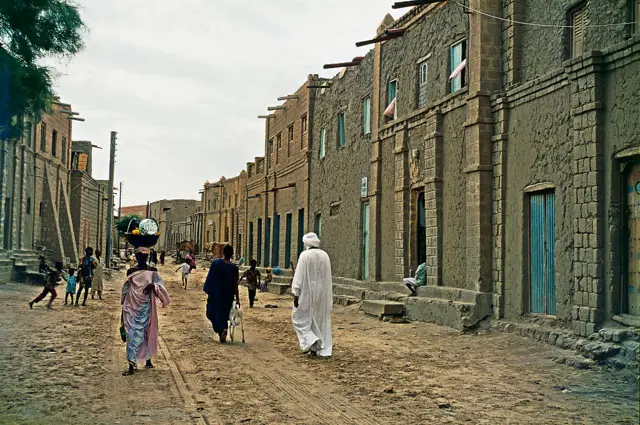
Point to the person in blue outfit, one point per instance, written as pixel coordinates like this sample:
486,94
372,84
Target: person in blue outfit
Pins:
221,287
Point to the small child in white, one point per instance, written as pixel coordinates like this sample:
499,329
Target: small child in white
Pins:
186,268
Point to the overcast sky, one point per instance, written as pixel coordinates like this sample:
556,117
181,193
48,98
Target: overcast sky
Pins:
182,82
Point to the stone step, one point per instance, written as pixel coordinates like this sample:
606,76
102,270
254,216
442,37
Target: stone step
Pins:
454,314
382,308
278,288
344,300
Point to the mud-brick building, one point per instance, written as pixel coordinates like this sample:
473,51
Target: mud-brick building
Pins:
255,211
223,206
287,178
35,186
515,181
566,164
168,212
89,200
340,169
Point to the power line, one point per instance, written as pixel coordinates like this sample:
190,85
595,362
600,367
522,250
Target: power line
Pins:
535,24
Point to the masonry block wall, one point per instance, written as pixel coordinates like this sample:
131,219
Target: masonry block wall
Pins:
558,112
254,212
287,171
337,175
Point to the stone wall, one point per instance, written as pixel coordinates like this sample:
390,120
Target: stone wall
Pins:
544,49
337,177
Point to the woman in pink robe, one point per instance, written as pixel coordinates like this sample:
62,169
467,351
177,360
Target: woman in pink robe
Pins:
141,292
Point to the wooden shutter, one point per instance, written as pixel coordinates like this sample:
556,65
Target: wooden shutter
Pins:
578,31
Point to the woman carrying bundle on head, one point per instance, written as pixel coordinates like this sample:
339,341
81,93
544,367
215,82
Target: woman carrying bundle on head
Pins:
142,290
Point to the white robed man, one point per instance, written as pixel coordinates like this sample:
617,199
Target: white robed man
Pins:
313,299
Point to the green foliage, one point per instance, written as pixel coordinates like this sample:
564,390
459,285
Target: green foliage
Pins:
29,32
123,224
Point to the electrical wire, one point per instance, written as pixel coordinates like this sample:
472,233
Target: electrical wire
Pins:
534,24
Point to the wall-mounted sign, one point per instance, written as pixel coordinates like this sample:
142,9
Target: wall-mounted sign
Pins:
363,187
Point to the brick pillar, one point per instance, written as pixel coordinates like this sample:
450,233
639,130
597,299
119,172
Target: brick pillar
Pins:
484,70
401,196
433,166
587,94
499,155
511,45
4,175
375,176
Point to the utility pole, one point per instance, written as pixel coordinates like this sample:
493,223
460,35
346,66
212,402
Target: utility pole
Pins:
119,212
112,162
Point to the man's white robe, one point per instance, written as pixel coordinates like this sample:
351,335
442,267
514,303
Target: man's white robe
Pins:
313,285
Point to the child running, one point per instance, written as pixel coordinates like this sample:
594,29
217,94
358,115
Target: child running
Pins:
51,281
186,268
71,285
253,281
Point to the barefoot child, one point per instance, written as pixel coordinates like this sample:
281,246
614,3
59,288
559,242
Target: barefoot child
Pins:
71,285
51,281
266,281
186,268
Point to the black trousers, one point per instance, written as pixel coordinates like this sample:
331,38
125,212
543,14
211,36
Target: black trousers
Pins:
252,297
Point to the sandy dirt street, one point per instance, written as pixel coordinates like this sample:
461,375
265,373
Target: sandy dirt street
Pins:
64,367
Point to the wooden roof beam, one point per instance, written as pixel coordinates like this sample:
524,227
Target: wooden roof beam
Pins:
276,108
386,35
266,116
354,62
290,97
403,4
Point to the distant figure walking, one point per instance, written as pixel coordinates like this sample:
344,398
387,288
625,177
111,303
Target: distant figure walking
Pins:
221,286
253,281
85,276
141,290
51,281
97,285
162,254
313,299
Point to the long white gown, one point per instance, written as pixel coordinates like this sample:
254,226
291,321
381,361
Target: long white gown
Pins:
313,285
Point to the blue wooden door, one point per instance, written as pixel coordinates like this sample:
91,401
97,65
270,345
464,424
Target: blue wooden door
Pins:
287,241
267,241
275,255
542,253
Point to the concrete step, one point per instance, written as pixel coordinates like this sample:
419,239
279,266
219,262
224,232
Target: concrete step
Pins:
382,308
454,314
344,300
278,288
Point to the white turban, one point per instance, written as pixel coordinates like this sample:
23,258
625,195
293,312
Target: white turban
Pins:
310,240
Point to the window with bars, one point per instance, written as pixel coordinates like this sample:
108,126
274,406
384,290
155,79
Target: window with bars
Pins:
64,150
392,93
423,72
366,119
54,143
342,135
578,23
290,140
457,54
43,137
323,141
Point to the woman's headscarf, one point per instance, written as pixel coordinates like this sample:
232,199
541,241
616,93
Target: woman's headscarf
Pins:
310,240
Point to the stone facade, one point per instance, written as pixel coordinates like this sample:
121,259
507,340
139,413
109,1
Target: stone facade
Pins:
139,210
223,204
89,200
455,175
337,172
167,212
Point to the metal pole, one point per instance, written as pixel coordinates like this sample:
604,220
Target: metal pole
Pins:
112,161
